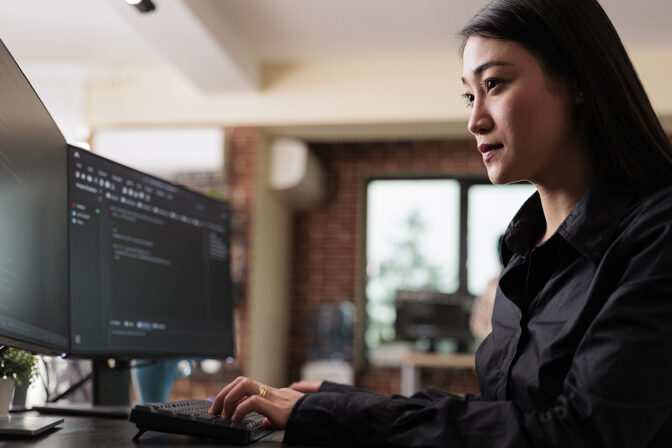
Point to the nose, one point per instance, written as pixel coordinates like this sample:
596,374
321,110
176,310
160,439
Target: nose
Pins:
480,121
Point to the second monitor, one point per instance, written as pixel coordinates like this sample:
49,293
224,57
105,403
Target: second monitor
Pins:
149,265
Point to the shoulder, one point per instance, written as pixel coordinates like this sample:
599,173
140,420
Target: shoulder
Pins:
650,208
644,238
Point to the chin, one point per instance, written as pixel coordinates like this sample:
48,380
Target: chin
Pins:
499,176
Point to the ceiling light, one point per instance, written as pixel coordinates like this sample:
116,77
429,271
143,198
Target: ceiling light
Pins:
142,5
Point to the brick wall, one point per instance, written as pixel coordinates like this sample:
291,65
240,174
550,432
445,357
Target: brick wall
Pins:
241,154
327,241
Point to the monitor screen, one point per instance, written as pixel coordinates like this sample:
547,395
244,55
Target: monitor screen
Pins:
149,265
33,221
433,315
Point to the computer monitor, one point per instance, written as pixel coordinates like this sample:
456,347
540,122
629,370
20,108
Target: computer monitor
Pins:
33,228
433,316
123,265
149,266
33,222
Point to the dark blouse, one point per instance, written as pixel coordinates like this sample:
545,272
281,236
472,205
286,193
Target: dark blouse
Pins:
581,349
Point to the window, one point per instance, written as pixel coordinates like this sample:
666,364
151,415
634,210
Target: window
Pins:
490,209
414,242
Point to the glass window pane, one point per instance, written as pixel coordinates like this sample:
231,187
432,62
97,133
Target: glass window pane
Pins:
412,243
490,209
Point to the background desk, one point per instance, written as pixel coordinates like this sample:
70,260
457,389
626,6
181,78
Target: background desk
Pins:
411,365
89,432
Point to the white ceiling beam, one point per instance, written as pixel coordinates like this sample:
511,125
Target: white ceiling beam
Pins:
199,43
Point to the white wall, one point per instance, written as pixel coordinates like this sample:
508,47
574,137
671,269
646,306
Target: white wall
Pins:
269,279
62,89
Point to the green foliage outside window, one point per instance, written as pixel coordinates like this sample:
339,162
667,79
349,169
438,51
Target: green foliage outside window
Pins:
405,269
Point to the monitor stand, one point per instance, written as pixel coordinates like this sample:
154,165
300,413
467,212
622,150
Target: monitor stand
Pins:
111,393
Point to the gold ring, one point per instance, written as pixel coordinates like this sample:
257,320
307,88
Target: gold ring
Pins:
262,391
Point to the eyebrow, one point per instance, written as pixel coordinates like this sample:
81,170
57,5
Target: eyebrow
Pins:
483,67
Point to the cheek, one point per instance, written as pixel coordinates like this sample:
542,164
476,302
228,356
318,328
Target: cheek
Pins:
529,119
517,120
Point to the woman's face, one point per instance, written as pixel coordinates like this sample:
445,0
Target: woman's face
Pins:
525,124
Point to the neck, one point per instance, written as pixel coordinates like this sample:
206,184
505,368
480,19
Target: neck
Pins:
563,190
559,200
557,206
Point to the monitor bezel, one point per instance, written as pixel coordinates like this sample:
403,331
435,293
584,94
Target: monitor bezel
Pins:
33,347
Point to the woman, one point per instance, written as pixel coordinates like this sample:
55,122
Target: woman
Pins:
580,352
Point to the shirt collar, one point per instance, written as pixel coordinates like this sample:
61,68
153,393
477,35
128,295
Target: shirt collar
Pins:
589,228
524,229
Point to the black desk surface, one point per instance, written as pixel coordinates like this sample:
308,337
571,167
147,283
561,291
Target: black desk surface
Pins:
80,432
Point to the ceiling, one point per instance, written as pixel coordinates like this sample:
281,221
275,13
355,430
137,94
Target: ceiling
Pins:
221,44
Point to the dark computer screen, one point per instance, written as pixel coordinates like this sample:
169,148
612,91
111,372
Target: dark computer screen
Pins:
149,265
33,221
433,315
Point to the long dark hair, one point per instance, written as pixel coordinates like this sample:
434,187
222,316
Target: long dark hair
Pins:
574,39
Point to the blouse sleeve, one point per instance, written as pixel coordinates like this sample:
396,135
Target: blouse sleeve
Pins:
423,395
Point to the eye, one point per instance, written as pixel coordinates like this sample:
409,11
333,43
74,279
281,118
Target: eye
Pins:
490,84
468,98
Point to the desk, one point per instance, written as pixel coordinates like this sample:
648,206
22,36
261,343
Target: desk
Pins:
88,432
411,365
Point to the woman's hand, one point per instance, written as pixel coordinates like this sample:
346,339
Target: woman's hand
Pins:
244,395
307,387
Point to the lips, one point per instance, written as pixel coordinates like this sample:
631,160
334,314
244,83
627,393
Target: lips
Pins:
489,150
483,148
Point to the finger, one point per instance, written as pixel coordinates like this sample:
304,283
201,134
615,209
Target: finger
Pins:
268,425
277,405
244,388
217,404
298,385
254,404
306,386
216,407
238,393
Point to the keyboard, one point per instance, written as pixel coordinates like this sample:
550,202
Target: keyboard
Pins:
190,417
